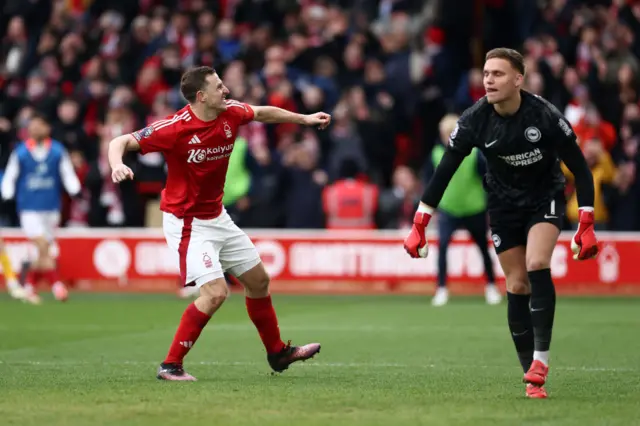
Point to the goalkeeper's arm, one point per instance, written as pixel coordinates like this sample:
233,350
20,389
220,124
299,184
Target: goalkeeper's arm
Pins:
416,243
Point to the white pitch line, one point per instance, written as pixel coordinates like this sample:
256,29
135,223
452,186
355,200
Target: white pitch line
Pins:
380,365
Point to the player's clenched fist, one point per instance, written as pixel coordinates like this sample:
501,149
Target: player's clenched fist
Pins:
320,119
416,243
584,244
121,173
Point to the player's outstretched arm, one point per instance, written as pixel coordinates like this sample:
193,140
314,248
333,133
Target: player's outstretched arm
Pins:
584,243
416,243
271,115
117,148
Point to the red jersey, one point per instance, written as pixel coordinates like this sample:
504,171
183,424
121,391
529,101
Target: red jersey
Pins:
197,154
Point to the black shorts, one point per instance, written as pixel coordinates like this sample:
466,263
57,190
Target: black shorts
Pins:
510,225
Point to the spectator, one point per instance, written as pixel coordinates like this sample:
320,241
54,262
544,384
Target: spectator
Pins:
350,203
388,72
304,183
68,128
592,126
399,203
604,173
470,90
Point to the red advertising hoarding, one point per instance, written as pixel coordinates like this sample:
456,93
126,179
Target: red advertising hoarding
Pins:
300,258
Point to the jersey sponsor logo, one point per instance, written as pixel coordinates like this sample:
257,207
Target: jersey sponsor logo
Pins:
565,127
532,134
227,130
194,140
201,155
37,182
489,144
525,159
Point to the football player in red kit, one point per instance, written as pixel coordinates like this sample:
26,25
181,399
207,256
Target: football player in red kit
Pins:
197,142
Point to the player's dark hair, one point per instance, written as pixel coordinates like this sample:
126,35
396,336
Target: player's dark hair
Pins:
194,80
512,56
39,116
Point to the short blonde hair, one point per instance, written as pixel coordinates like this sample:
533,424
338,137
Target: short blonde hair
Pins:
447,124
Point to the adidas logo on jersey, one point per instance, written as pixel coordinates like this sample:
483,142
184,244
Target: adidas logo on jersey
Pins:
194,140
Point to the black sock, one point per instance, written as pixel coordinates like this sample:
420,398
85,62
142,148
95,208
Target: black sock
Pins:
543,307
519,318
23,272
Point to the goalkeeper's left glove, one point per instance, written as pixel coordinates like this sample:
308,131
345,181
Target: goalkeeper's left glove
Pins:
584,244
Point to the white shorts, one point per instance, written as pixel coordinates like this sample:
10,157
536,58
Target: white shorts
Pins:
37,224
208,248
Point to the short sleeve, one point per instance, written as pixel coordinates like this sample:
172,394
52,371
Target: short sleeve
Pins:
462,138
243,113
159,136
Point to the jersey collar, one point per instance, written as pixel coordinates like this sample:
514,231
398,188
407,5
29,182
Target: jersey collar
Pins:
31,143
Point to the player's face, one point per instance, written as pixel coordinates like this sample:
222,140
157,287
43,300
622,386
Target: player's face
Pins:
215,93
501,81
38,129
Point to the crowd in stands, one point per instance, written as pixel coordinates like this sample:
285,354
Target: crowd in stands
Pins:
387,70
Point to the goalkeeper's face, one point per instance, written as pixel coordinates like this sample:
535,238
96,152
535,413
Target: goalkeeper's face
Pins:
501,81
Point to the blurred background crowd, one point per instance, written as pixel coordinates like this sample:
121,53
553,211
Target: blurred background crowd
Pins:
387,70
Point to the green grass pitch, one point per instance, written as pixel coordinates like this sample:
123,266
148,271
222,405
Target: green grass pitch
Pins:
385,360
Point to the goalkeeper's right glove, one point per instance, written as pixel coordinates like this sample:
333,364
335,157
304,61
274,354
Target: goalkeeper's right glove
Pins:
416,242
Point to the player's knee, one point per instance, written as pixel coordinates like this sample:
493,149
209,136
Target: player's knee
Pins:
42,245
535,263
214,294
518,285
259,287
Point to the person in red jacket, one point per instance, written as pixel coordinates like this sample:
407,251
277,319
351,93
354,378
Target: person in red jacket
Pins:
592,126
350,203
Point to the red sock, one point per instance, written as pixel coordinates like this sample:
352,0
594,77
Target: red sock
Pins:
264,318
191,324
51,276
34,277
